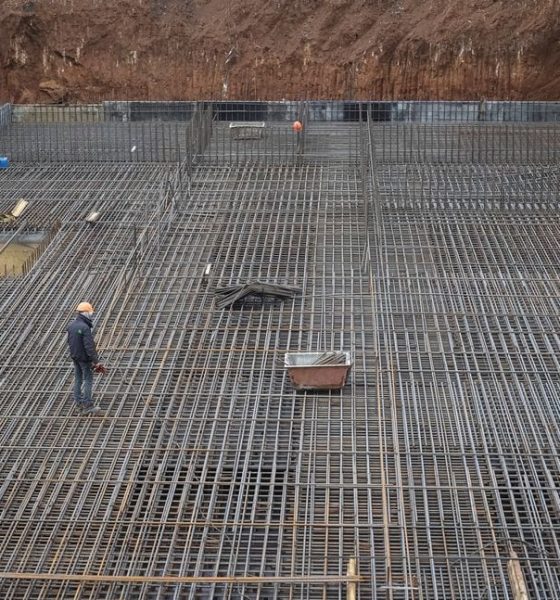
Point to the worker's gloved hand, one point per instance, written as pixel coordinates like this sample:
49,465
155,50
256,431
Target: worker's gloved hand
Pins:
99,368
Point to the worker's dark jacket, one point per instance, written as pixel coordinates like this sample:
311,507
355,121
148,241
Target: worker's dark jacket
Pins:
80,340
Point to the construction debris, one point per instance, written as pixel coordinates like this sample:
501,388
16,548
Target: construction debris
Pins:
93,217
228,296
16,211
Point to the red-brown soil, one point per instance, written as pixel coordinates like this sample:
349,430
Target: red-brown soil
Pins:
86,50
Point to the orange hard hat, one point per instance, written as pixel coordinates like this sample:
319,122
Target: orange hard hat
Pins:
297,126
84,307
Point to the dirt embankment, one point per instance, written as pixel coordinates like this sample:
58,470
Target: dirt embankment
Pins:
85,50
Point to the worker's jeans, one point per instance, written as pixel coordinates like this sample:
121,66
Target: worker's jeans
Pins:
83,382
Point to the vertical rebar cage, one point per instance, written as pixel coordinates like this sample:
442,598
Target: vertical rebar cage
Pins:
424,240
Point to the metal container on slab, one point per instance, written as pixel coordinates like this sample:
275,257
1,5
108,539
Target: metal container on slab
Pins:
318,370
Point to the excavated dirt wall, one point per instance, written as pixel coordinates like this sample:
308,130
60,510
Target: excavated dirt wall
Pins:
85,50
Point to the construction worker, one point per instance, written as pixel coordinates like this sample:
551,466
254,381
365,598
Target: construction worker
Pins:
84,355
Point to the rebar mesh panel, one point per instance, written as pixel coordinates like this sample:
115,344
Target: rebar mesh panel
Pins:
519,188
462,143
277,143
466,264
149,141
198,468
434,463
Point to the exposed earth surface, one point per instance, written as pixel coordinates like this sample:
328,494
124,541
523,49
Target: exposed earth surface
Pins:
87,50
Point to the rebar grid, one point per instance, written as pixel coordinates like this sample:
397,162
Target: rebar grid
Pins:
107,132
277,143
467,143
95,142
466,264
209,477
519,188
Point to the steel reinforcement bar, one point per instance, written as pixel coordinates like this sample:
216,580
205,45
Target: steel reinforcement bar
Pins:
208,476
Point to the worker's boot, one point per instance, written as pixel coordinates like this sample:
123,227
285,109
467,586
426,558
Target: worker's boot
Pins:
79,406
91,409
